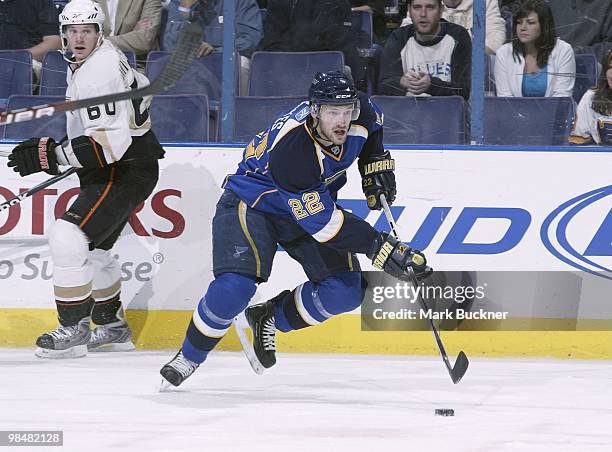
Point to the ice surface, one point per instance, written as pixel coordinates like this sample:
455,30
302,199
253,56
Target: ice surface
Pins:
309,402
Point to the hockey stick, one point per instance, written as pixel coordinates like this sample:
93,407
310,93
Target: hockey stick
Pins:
181,58
462,362
26,194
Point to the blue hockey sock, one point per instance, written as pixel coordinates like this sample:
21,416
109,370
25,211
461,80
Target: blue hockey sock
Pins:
312,303
226,297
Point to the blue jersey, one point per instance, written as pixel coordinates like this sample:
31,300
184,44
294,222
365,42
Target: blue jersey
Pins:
286,171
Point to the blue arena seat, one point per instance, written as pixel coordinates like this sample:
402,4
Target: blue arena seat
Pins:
254,114
53,73
203,77
423,120
131,57
362,29
180,118
15,73
528,121
289,73
587,69
54,127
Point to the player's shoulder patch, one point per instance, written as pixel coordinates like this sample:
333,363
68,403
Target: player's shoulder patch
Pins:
302,112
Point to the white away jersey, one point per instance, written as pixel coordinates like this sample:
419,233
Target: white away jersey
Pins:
112,125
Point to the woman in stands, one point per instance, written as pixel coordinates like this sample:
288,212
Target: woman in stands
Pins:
536,63
593,123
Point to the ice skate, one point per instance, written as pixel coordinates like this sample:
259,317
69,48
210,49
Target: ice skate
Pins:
177,370
65,341
260,318
112,337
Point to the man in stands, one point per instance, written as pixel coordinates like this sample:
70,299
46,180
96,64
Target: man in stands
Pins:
461,12
431,57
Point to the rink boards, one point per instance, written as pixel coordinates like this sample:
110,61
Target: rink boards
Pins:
478,210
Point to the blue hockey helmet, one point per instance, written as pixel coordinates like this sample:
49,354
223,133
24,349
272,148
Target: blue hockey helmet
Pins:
333,88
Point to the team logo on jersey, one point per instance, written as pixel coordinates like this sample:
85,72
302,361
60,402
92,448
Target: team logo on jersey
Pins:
335,150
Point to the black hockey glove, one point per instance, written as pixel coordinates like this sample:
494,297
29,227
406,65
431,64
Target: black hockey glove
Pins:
33,156
394,257
377,178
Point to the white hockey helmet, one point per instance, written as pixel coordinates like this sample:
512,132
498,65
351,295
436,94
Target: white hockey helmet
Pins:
81,12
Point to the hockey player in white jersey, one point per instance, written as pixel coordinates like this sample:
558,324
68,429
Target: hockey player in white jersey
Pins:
115,154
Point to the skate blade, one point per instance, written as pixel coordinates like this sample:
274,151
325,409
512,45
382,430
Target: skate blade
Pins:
78,351
241,325
165,386
113,347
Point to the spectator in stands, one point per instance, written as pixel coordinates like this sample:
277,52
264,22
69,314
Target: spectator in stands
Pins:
311,26
377,9
430,57
133,25
209,14
461,12
586,25
31,25
536,63
594,115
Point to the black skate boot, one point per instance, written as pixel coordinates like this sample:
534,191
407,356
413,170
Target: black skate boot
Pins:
65,341
260,317
112,333
178,369
112,337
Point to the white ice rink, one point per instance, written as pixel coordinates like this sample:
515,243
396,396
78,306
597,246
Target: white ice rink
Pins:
309,402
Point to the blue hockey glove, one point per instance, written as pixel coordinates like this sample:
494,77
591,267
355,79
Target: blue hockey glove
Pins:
377,178
394,257
33,156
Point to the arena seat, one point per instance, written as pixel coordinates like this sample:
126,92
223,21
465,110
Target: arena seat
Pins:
15,73
362,29
289,73
203,77
587,69
254,114
527,121
180,118
54,127
423,120
53,74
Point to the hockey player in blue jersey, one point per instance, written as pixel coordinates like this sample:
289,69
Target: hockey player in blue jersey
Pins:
284,192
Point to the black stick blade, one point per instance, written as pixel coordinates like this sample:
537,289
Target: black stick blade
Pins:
182,57
461,366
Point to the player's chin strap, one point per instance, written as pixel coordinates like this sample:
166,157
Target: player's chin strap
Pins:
462,362
313,126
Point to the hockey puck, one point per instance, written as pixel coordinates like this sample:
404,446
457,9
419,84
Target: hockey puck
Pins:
445,412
